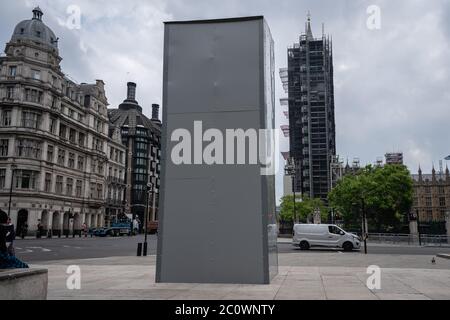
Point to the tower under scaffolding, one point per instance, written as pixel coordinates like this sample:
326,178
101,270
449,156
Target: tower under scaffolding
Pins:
308,81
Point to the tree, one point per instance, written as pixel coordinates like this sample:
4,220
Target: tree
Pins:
385,193
303,208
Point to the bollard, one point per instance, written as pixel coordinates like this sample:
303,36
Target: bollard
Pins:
139,250
145,249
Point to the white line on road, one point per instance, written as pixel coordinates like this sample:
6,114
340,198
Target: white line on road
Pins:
39,248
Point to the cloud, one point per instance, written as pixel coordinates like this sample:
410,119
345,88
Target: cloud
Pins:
391,84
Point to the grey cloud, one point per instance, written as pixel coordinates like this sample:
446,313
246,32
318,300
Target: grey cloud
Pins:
391,84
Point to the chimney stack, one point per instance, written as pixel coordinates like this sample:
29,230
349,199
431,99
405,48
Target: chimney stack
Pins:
131,92
155,112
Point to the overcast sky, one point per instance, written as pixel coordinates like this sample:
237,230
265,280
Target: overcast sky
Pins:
391,85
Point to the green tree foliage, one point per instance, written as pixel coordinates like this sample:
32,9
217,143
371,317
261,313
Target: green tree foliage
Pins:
303,208
385,193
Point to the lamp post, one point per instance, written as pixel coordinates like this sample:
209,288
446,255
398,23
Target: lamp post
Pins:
149,191
364,225
418,226
290,171
13,168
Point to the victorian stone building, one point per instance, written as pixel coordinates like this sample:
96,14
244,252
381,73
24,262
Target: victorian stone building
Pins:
142,138
59,162
432,199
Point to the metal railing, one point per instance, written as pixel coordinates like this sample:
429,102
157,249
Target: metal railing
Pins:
410,239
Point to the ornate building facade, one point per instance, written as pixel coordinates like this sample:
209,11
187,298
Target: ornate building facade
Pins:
56,150
432,199
142,138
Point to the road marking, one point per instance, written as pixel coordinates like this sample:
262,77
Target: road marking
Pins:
39,248
26,251
340,252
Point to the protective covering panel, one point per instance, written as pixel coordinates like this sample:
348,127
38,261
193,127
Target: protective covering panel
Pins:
217,222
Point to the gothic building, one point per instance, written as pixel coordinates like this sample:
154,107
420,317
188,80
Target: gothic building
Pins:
308,81
142,138
431,198
59,162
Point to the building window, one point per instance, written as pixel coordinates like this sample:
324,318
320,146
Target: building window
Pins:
428,202
48,182
2,178
429,215
72,136
80,163
53,125
442,202
31,119
53,103
81,139
12,71
59,185
10,93
92,190
4,147
93,166
62,131
25,179
71,163
70,113
61,157
50,152
36,74
99,191
6,118
32,95
79,187
29,148
69,186
100,168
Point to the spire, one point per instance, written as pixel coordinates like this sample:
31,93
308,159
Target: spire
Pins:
37,14
309,34
433,172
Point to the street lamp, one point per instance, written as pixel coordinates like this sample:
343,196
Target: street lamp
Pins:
290,170
364,224
149,191
13,168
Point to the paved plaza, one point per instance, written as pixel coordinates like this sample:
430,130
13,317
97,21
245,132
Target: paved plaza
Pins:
302,275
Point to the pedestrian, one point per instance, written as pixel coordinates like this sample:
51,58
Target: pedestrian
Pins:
85,229
10,238
24,230
135,226
39,229
8,261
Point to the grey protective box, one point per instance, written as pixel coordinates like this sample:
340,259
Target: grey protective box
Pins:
217,222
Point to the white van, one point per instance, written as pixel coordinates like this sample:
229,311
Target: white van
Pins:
324,235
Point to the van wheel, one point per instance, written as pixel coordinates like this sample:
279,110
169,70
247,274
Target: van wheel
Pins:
304,245
348,246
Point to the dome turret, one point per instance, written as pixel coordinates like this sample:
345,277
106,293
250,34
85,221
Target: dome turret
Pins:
35,30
